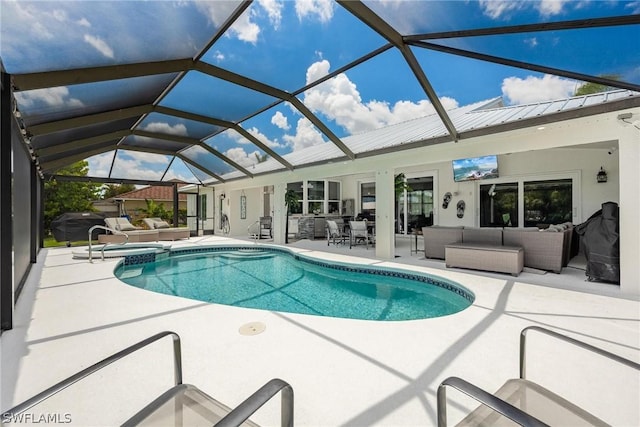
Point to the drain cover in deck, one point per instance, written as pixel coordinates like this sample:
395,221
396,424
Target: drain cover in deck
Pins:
252,328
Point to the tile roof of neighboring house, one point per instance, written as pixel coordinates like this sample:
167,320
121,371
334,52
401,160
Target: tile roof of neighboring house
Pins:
154,192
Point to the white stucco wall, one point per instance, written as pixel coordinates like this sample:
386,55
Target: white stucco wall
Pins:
578,146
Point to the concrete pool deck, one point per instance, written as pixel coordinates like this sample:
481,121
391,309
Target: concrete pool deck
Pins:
343,372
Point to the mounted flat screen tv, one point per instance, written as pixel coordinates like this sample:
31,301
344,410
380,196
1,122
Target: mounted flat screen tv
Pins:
475,168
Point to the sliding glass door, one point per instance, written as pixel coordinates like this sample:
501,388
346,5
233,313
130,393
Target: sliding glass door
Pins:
528,202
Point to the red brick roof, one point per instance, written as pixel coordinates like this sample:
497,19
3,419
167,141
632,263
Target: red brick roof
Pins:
153,192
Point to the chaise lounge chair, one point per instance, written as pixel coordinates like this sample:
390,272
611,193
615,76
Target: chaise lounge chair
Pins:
165,231
182,404
135,234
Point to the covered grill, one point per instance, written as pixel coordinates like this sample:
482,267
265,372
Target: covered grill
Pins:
74,226
599,237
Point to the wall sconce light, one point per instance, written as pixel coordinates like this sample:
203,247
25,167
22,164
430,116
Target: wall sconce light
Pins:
222,196
601,176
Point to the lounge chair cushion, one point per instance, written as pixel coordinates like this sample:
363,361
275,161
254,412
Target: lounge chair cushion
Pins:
161,224
123,224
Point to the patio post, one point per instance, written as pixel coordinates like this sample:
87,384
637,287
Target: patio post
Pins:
629,196
385,213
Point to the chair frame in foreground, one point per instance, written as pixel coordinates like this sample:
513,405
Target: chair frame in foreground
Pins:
506,409
235,417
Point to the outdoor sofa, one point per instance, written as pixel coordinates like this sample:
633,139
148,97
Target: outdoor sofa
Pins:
547,249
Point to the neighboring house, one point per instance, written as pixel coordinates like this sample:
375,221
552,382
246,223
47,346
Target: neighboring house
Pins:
134,202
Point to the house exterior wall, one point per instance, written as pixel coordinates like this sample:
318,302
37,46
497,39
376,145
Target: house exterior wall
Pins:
577,146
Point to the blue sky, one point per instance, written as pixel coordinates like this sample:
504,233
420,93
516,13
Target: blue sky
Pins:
288,44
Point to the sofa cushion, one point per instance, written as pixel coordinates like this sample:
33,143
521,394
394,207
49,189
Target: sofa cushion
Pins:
484,235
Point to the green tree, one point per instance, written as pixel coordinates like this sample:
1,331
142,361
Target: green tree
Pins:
156,210
68,196
112,190
290,200
588,88
401,185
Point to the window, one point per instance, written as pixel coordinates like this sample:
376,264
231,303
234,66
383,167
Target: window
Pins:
297,188
368,200
419,203
547,202
499,205
527,203
203,207
315,197
333,207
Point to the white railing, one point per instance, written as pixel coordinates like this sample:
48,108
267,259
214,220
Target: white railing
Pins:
102,227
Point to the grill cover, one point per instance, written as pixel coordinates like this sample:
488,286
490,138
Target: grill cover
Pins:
599,238
74,226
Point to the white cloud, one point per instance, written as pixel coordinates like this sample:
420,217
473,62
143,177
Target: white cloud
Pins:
173,175
536,89
162,127
317,70
28,22
218,11
531,42
263,138
54,97
142,157
131,168
551,7
60,15
499,8
280,120
139,165
245,29
83,23
306,135
503,9
100,45
323,9
274,10
219,56
634,6
241,157
339,100
100,165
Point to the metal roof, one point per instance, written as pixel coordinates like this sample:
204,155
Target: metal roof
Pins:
187,90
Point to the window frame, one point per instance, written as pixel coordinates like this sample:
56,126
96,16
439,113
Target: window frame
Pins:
576,191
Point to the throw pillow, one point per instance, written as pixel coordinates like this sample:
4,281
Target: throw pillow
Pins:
161,224
124,226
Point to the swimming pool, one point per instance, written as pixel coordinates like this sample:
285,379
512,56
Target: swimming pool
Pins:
276,279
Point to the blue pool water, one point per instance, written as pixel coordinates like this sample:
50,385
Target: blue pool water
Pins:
278,280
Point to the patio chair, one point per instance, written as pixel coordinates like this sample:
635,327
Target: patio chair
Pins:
358,233
266,227
334,234
182,404
523,401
